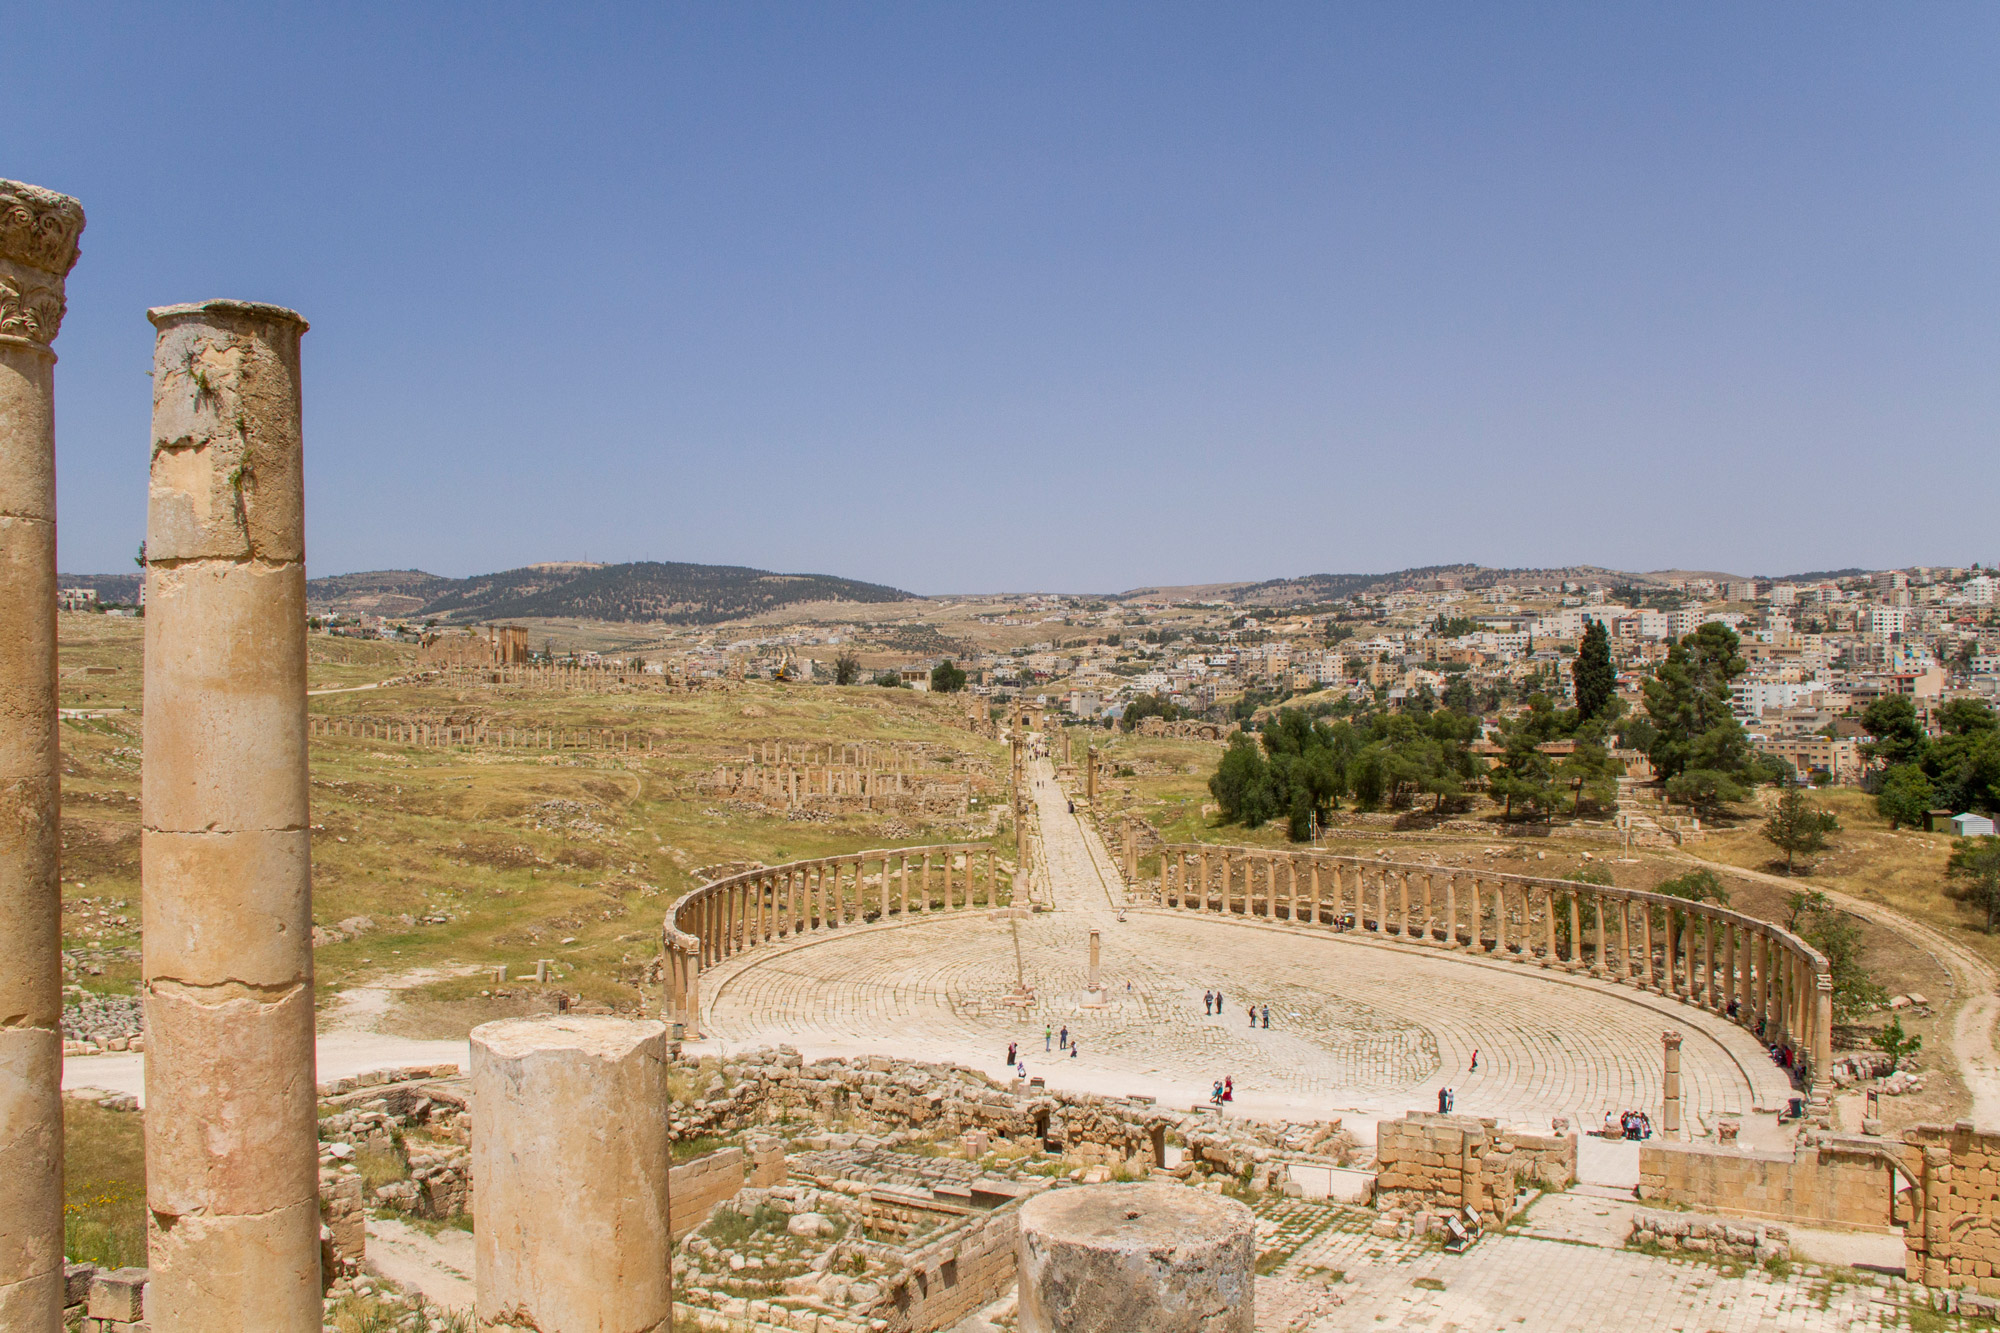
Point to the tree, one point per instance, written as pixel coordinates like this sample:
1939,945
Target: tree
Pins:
1798,827
846,669
1697,886
1905,797
1705,790
1802,904
1687,699
1242,783
889,680
1145,706
1595,680
1893,1042
946,678
1898,737
1974,870
1833,932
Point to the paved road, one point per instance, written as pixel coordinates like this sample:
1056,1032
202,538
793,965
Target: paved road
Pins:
1360,1028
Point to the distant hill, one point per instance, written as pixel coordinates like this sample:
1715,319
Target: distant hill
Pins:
119,589
680,594
1308,589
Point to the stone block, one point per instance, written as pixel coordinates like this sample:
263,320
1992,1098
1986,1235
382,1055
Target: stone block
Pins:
118,1295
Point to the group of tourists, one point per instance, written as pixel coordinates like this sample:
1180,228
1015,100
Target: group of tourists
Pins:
1211,1004
1634,1125
1225,1091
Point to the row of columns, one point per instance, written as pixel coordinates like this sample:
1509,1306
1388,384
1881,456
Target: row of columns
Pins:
868,757
723,919
1705,956
428,735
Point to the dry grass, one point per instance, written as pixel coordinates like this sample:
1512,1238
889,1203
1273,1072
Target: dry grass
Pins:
104,1186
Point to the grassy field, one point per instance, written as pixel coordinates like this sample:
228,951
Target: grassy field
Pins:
468,858
104,1186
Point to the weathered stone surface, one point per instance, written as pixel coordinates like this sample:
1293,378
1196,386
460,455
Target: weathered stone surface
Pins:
572,1163
232,1180
38,247
1136,1259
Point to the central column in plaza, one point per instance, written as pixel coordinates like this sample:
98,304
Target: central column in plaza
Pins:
232,1153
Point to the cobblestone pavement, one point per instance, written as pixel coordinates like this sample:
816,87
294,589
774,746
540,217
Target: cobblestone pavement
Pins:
1357,1026
1335,1275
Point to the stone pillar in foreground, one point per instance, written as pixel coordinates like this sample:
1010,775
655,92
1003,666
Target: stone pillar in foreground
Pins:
1670,1112
1134,1259
232,1152
38,236
570,1160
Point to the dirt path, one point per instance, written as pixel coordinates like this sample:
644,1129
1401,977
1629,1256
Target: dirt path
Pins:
440,1266
1974,979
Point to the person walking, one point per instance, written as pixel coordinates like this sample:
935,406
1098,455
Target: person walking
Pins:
1444,1101
1074,1047
1253,1015
1062,1038
1475,1059
1207,1002
1267,1018
1013,1049
1048,1037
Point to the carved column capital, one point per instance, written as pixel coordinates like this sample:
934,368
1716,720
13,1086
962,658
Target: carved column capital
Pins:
39,230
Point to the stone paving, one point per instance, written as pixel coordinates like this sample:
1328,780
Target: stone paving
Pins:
1358,1026
1336,1275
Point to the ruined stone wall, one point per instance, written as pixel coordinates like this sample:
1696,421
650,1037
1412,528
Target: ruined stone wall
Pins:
1454,1162
699,1186
950,1278
1829,1184
1953,1239
878,1095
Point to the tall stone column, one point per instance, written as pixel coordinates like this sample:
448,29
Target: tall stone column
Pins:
572,1161
1670,1112
232,1153
38,248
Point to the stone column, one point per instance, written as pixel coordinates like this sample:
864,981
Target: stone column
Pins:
38,247
1670,1112
1090,776
1135,1259
1096,986
572,1164
232,1152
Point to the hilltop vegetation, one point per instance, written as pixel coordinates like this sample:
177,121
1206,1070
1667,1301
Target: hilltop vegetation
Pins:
673,593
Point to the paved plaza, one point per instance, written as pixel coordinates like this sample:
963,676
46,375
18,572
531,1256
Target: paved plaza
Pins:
1561,1269
1359,1027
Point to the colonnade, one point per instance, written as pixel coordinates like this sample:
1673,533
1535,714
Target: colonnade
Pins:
1752,972
722,919
431,735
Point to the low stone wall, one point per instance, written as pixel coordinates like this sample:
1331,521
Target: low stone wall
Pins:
696,1188
1837,1183
877,1095
1426,1161
950,1278
1758,1241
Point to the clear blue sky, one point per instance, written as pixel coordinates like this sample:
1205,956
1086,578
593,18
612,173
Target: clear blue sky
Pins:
1079,297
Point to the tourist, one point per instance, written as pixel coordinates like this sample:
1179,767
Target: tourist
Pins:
1611,1129
1208,1002
1013,1050
1021,1069
1267,1016
1444,1102
1253,1015
1228,1089
1216,1095
1475,1060
1074,1047
1048,1038
1062,1039
1451,1099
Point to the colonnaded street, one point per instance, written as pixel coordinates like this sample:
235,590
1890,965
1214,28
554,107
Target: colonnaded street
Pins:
1359,1027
